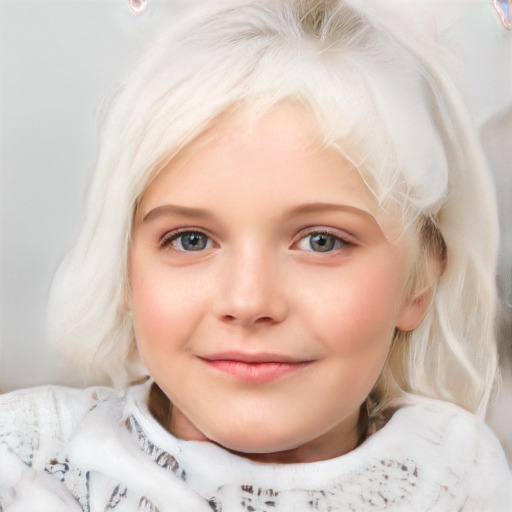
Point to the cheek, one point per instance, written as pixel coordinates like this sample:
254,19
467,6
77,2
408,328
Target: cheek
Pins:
165,305
357,315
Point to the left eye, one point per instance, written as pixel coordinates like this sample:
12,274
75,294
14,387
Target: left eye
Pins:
321,242
188,241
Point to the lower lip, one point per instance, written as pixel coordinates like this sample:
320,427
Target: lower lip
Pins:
255,372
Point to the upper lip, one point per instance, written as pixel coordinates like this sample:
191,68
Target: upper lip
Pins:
253,357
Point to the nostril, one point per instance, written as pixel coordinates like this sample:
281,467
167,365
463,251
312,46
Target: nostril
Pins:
263,320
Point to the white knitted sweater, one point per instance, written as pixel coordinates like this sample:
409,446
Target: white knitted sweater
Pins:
93,450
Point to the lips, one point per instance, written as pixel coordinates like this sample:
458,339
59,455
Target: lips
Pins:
255,367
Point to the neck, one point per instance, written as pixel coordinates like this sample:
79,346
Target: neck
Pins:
320,448
313,451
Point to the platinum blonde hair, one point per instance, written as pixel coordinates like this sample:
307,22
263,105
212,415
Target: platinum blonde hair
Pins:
378,96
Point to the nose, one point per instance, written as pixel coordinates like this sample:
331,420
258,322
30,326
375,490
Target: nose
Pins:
251,292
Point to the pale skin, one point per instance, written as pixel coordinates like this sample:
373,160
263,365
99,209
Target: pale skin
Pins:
266,285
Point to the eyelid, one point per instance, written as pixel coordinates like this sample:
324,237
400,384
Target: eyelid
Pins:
348,239
169,236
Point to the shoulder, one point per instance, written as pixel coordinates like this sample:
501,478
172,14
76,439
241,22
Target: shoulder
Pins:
42,417
455,453
36,429
461,435
50,404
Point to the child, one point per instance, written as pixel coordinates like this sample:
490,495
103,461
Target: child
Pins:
292,232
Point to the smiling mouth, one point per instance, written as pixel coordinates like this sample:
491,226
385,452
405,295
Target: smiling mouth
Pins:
256,368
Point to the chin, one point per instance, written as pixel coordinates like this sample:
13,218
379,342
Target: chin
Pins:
258,441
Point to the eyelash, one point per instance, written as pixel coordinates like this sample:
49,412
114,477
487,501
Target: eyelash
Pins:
339,242
172,236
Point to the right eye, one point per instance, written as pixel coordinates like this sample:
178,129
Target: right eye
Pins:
322,242
187,241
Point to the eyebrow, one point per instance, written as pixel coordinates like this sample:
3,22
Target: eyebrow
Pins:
308,208
173,209
302,209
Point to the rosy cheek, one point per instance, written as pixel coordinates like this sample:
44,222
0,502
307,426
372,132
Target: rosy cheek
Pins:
150,306
357,321
164,308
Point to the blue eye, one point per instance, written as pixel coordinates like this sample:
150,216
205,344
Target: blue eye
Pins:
188,241
321,242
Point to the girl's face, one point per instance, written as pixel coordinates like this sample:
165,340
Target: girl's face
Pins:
264,292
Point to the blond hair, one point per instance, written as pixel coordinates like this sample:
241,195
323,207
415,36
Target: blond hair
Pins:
380,98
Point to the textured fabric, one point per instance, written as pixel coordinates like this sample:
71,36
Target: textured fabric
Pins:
65,450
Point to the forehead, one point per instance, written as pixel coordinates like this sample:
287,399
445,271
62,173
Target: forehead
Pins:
275,161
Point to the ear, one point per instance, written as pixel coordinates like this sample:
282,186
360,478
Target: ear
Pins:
414,309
